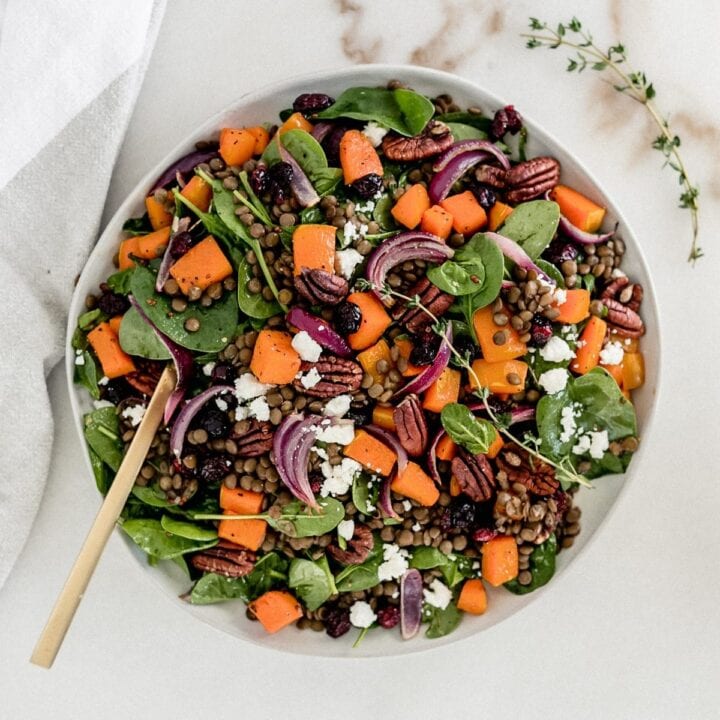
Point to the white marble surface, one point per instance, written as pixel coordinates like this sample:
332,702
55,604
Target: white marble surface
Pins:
632,631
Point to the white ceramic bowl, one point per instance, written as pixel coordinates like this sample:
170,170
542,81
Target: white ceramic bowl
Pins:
264,105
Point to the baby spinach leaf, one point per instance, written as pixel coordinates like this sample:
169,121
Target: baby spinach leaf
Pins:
188,530
427,558
311,215
458,569
138,226
217,322
102,433
212,588
254,305
364,576
87,374
306,150
119,282
549,269
382,215
588,282
542,567
150,536
297,520
461,131
480,122
138,338
150,496
533,225
100,471
538,364
476,435
269,571
364,494
326,180
312,581
442,621
90,318
402,110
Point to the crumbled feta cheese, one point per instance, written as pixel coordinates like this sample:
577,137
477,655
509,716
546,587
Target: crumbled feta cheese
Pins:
618,273
259,409
416,527
475,565
556,350
553,381
337,406
98,404
221,404
247,387
567,420
407,505
241,413
133,413
369,206
361,614
594,443
79,357
346,261
346,528
350,232
395,595
560,296
320,452
341,432
311,378
338,478
394,562
104,380
306,347
374,133
612,354
438,594
208,369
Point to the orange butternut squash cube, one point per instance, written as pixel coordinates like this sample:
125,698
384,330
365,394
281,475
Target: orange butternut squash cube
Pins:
296,121
239,501
198,192
370,358
248,533
633,371
314,248
358,157
582,212
416,484
382,416
201,266
159,217
445,390
275,361
500,562
467,213
237,145
499,213
496,376
371,453
275,610
374,320
411,206
114,360
437,221
473,598
575,308
485,330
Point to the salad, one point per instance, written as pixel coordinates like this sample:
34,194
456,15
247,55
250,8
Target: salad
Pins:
401,347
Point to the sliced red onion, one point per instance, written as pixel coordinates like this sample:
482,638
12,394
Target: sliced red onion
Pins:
320,130
413,245
167,260
411,598
517,415
182,359
432,372
578,235
388,438
188,412
511,250
300,184
319,330
463,146
432,456
444,179
385,500
185,164
506,284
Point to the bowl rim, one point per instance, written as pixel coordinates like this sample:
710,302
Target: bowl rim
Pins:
355,75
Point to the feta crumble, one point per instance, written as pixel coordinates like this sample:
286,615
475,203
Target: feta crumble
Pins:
407,505
338,478
612,354
346,261
98,404
374,133
553,381
394,562
337,406
208,369
247,387
594,443
311,378
416,527
369,206
341,433
306,347
346,528
79,357
221,404
438,594
259,409
104,380
362,615
556,350
560,296
567,421
133,413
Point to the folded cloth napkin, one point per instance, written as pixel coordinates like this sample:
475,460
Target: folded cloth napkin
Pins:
70,73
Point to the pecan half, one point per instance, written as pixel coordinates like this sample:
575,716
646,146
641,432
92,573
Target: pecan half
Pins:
491,175
320,287
411,426
537,476
431,297
474,475
624,320
358,547
626,293
337,377
147,375
225,558
435,138
252,437
532,178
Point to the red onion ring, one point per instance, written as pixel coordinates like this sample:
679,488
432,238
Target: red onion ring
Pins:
320,331
432,456
511,250
300,184
444,179
184,165
320,130
389,439
411,597
578,235
431,373
168,259
463,146
385,500
188,412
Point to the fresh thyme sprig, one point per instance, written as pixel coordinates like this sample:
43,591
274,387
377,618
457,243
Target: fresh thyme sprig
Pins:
566,471
632,83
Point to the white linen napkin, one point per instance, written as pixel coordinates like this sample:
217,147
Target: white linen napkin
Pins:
70,73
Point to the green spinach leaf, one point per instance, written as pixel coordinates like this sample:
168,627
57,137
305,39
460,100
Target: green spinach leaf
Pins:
402,110
138,226
442,621
102,433
138,338
306,150
542,567
382,215
119,282
100,470
212,588
188,530
312,581
90,318
549,269
461,131
474,434
364,576
297,520
270,571
254,305
364,494
87,374
326,180
150,536
480,122
533,225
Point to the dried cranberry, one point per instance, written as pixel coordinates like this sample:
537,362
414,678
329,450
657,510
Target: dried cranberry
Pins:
540,331
485,196
214,422
425,348
506,120
214,468
259,180
337,622
467,348
309,103
316,482
360,415
563,501
347,318
459,516
559,251
116,391
181,244
113,304
222,374
281,174
388,617
368,186
331,145
484,534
